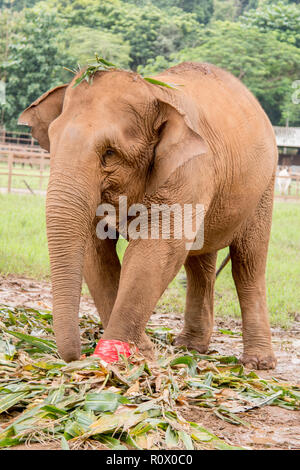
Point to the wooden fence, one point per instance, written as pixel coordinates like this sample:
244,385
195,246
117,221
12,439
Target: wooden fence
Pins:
30,156
17,138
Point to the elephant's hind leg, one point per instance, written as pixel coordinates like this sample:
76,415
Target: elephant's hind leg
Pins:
199,312
248,256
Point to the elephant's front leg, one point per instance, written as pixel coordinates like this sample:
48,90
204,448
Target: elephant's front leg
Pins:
102,274
148,267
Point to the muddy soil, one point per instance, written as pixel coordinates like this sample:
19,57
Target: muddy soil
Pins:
270,427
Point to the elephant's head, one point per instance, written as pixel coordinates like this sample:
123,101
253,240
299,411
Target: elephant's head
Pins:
118,136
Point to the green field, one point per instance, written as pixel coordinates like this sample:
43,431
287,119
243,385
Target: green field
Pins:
23,251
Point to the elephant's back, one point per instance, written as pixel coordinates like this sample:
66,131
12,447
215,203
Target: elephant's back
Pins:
237,131
209,79
231,120
221,97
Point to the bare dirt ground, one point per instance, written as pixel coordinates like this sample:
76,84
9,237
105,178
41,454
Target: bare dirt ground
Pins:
270,427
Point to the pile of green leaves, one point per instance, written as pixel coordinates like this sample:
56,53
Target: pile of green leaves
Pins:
131,404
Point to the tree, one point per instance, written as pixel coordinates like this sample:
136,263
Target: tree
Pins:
203,9
280,17
262,48
226,10
265,64
7,26
248,5
82,43
17,5
8,20
151,32
34,63
290,106
148,30
154,66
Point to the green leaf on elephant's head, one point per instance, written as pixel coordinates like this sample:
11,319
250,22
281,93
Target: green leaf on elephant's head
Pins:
104,65
105,62
173,86
88,75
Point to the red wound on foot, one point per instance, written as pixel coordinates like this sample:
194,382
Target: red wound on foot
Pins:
109,350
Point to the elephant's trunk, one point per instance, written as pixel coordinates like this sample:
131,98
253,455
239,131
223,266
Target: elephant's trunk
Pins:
68,215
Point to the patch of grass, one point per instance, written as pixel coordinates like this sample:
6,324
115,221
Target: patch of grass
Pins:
23,251
23,242
283,270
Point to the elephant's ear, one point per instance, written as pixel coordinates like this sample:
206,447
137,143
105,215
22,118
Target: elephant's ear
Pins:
180,138
42,112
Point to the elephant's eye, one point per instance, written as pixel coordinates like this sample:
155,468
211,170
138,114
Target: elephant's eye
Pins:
108,153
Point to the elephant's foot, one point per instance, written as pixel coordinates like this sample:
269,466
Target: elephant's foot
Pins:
259,360
145,346
191,342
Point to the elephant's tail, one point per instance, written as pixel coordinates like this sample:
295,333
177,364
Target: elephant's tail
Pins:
223,264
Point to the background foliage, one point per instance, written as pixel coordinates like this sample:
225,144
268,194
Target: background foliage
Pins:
257,40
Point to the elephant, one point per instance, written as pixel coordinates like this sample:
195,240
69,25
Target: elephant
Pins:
193,135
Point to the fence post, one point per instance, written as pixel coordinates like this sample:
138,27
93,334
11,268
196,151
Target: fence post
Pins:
10,169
